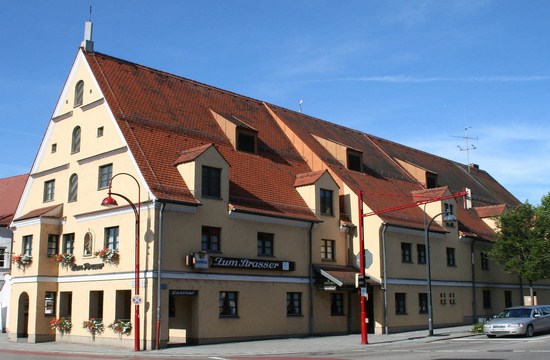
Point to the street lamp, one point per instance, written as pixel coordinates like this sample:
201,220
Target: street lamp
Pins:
449,217
110,201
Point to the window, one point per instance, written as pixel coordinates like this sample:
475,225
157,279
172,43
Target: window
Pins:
336,304
53,243
96,305
100,131
68,243
49,189
265,244
75,142
105,175
400,304
27,245
54,148
451,257
484,261
123,304
431,180
406,253
211,182
507,298
228,303
246,141
293,303
73,188
65,304
452,299
210,239
326,202
111,238
3,261
421,253
355,160
486,299
79,93
327,249
442,298
422,303
49,303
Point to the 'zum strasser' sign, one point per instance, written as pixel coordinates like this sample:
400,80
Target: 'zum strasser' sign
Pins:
204,262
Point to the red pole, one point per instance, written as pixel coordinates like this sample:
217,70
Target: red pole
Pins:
136,275
364,339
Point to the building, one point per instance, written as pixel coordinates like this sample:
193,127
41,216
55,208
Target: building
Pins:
247,218
10,192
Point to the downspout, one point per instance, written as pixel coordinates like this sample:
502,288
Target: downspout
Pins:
474,298
310,234
159,277
384,276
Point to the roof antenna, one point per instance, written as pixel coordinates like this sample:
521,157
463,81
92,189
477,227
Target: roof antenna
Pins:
87,43
468,145
300,104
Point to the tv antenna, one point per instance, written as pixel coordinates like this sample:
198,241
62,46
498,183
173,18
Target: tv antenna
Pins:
468,146
300,104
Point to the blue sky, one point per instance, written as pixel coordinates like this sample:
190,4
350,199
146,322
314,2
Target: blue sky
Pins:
415,72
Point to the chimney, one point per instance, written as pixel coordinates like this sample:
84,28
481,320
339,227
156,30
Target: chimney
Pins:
87,43
468,199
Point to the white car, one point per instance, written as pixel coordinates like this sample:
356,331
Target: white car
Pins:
519,320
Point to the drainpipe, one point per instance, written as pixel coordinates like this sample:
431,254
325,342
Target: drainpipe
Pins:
474,298
384,276
310,234
159,277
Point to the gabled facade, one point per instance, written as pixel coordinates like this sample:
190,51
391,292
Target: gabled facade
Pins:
248,219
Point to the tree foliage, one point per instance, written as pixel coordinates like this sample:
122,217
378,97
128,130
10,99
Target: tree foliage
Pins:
523,241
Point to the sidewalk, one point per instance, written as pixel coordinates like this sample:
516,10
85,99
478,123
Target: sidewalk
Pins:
309,345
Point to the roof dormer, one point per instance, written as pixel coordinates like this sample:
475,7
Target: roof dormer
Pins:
351,158
429,179
242,136
205,171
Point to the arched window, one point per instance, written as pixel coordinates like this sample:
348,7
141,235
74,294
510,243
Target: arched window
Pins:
88,243
75,143
73,187
78,93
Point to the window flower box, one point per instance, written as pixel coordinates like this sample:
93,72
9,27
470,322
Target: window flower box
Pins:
64,260
21,261
108,255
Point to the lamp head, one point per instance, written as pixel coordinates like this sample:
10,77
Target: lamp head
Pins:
109,201
448,217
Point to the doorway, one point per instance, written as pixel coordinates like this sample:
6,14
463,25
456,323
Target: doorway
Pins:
23,316
180,312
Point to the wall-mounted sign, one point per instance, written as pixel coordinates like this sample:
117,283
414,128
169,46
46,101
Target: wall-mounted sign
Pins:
87,266
201,260
255,264
184,292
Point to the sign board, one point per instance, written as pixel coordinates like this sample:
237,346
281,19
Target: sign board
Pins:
137,300
184,292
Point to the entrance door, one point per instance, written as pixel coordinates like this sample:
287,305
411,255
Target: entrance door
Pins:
181,303
23,316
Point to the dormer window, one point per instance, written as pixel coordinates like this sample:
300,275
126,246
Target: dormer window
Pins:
246,141
431,180
211,182
327,207
79,93
355,160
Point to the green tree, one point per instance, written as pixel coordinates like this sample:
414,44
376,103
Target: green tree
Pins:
523,242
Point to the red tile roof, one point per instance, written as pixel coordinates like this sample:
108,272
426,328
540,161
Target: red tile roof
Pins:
162,116
308,178
11,189
490,211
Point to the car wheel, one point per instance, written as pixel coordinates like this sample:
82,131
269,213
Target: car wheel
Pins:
491,336
530,331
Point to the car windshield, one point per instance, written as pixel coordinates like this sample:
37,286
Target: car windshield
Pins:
515,313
